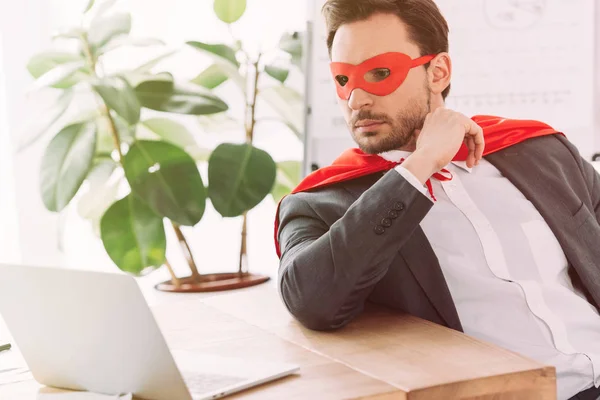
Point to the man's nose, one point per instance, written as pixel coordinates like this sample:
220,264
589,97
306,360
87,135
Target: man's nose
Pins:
359,99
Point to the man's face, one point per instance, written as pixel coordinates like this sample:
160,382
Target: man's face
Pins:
382,123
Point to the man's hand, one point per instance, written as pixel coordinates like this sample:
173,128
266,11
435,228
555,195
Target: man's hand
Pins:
440,139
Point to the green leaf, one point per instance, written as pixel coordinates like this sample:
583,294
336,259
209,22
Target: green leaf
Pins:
289,104
103,29
240,176
134,236
66,163
229,11
62,76
220,52
129,41
70,33
86,115
224,57
135,78
174,133
102,189
148,65
211,77
105,142
293,45
281,74
167,178
41,63
178,97
218,123
169,131
119,96
288,177
201,154
45,119
90,4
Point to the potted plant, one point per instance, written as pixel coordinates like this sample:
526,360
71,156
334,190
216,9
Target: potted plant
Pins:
110,145
241,175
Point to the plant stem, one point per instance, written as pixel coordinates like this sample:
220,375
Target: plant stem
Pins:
185,248
115,135
113,128
174,280
250,123
243,248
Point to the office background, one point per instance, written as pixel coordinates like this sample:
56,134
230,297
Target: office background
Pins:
532,59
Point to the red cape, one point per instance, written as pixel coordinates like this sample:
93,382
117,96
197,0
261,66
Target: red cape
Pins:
499,133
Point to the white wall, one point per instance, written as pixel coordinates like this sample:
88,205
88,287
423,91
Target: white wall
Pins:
9,228
25,29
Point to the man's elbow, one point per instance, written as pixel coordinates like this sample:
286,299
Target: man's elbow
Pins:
312,315
319,323
316,320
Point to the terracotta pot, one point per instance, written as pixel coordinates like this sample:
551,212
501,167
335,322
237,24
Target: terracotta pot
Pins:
213,282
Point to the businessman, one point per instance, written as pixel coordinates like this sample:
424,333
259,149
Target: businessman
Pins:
485,225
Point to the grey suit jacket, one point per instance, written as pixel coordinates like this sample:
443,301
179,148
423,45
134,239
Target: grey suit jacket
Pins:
338,253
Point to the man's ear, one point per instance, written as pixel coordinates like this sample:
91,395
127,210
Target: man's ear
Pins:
440,73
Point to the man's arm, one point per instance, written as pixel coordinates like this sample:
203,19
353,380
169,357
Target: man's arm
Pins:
591,176
326,273
593,183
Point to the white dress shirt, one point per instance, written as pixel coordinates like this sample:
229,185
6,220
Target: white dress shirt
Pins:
507,273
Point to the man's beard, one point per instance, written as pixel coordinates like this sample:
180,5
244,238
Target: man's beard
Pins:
403,128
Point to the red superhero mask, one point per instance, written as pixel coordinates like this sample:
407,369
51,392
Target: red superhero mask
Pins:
380,75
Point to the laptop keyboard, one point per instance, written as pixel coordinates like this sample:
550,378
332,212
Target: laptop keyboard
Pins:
205,383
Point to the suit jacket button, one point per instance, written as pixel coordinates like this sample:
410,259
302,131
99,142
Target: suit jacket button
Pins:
386,222
393,214
379,230
399,206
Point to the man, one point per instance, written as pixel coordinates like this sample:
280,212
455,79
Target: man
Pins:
503,247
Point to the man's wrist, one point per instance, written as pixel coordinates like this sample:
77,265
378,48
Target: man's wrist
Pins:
421,166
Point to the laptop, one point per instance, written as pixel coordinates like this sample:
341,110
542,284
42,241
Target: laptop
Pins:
93,331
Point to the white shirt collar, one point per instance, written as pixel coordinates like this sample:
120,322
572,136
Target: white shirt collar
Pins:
397,155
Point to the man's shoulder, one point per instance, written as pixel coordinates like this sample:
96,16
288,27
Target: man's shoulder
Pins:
332,200
545,157
341,190
556,147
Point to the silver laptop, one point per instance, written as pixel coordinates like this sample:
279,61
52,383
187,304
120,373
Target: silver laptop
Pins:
94,331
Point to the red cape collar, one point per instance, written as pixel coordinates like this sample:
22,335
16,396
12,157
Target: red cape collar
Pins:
499,133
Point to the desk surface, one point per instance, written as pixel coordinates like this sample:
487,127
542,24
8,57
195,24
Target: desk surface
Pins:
382,355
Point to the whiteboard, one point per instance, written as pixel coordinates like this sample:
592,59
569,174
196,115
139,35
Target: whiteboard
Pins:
529,59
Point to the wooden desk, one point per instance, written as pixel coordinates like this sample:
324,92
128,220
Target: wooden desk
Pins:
382,355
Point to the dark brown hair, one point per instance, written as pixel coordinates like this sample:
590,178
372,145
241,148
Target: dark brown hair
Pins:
426,25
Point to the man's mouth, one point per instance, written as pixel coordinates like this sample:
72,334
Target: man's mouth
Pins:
368,125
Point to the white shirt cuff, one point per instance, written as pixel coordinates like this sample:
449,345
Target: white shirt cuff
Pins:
406,174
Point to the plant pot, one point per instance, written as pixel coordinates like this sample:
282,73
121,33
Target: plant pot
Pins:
213,282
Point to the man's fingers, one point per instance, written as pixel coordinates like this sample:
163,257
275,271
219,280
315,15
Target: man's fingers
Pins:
475,134
471,146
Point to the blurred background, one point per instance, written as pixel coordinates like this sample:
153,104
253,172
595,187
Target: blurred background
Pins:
175,84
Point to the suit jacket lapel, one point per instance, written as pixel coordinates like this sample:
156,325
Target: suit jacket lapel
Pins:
425,267
559,202
420,258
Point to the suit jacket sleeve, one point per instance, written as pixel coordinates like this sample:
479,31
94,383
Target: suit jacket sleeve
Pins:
327,272
591,176
593,182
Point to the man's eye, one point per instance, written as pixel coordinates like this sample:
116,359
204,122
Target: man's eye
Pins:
377,75
342,80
